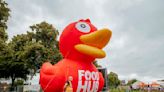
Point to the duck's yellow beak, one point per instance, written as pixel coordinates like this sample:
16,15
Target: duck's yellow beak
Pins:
94,42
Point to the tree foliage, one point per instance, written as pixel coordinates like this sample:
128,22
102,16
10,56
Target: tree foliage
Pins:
10,66
113,79
3,34
4,14
130,82
4,49
36,46
46,35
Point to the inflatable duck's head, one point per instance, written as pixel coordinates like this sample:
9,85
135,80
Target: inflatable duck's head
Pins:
83,41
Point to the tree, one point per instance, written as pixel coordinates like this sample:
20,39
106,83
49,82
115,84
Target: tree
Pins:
11,66
4,50
18,44
8,67
36,47
113,79
4,14
130,82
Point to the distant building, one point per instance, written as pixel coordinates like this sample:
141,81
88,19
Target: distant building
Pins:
161,82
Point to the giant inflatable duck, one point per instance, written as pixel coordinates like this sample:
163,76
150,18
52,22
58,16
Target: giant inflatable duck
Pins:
80,44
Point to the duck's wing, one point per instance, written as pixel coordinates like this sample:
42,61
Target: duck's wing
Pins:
48,68
51,79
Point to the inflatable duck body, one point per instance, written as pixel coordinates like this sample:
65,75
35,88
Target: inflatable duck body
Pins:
80,43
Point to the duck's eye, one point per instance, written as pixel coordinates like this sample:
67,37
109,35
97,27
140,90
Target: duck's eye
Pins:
83,27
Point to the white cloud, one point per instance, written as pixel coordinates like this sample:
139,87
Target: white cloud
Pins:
146,79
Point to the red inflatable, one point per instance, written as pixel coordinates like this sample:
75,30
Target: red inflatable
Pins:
80,43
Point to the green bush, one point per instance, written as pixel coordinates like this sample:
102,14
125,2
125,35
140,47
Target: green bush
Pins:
18,82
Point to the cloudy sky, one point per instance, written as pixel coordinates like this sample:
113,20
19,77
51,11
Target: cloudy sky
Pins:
136,49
